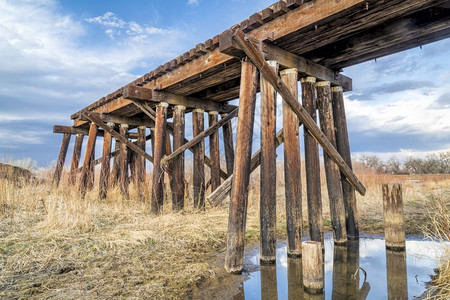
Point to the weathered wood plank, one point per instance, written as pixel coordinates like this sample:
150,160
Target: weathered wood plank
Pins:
199,164
178,162
394,226
241,178
105,169
123,164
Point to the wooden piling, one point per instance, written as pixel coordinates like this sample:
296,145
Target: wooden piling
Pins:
158,172
152,139
332,173
115,172
343,147
123,179
312,164
394,228
178,162
313,267
140,160
87,158
61,159
199,160
228,145
268,195
241,169
292,168
104,172
214,154
397,278
75,158
91,174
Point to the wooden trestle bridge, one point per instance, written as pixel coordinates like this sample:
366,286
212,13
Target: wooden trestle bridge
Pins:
269,52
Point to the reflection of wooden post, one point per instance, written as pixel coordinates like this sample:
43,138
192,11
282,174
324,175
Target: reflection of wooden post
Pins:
228,145
178,161
61,158
294,278
75,158
332,173
269,282
313,267
123,180
214,154
87,158
199,160
312,165
268,195
343,147
292,168
160,144
241,169
340,273
104,172
394,229
397,279
352,266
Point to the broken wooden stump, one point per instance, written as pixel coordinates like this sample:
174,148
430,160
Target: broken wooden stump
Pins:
394,228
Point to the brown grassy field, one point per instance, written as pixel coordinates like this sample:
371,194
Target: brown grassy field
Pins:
54,244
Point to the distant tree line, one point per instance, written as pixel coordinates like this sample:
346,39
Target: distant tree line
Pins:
432,164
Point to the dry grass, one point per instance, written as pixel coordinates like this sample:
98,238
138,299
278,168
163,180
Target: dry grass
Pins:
53,244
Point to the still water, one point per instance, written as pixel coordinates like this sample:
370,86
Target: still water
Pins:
382,274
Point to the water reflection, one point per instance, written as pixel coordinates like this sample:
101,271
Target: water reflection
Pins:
360,270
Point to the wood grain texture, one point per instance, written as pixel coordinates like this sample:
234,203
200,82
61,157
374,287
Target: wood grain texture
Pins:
61,159
214,152
394,225
199,184
178,162
87,158
105,169
75,158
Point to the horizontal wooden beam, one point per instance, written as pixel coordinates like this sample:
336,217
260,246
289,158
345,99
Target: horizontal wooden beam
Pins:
258,59
74,130
145,94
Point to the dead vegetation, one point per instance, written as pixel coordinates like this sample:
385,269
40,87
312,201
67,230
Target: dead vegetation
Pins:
53,244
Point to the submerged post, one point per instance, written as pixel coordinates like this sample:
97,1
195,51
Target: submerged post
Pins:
241,169
61,158
75,158
178,161
313,267
268,195
394,228
292,168
343,147
199,160
160,144
104,172
312,164
332,173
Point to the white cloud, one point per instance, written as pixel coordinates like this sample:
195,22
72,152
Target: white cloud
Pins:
193,2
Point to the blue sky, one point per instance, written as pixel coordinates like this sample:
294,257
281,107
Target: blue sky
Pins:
58,56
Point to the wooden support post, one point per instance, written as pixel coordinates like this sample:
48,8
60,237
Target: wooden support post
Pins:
178,162
312,164
87,158
269,289
394,228
228,145
397,278
158,172
140,162
75,158
268,194
343,147
123,179
313,267
214,154
332,173
199,161
152,140
292,168
61,158
115,172
104,172
241,170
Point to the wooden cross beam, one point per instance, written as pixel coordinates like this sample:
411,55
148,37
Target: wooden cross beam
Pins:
105,117
258,59
95,118
151,114
219,194
198,138
132,92
73,130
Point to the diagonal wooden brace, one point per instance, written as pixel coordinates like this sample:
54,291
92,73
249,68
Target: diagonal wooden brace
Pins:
257,58
151,114
198,138
95,118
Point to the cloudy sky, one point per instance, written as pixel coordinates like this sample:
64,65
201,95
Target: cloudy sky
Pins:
57,56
